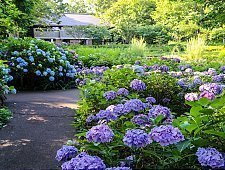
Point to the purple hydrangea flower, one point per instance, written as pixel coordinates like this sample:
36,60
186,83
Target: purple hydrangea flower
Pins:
218,78
119,168
106,114
211,71
118,109
137,62
110,108
208,95
165,100
151,100
138,85
66,152
166,135
110,95
222,69
164,68
157,110
136,138
135,105
141,120
191,96
212,88
91,118
122,92
197,80
83,161
100,134
210,157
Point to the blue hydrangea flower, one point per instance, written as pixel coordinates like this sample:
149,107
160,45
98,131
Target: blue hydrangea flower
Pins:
25,70
110,95
83,161
52,73
119,168
197,81
164,68
45,73
191,96
38,72
106,114
66,153
60,74
157,110
100,134
141,120
91,118
218,78
118,109
151,100
122,92
210,157
135,105
51,60
222,69
212,88
48,70
31,58
13,91
166,135
51,78
137,85
136,138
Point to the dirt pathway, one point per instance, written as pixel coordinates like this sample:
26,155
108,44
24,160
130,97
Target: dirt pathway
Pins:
41,124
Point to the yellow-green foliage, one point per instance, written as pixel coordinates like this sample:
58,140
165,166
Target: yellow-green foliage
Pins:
195,48
222,54
138,46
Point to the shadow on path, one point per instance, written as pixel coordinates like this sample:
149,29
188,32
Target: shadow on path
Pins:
40,126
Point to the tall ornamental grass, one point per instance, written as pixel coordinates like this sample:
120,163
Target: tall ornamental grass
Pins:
195,48
138,47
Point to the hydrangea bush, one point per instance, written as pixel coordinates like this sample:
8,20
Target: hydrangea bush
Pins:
39,64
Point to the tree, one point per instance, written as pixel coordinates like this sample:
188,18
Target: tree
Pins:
125,15
16,16
181,17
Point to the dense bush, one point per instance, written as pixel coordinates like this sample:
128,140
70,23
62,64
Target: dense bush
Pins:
5,77
5,115
37,64
124,109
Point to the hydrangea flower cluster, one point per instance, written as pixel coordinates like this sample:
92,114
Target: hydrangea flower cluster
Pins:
212,88
191,96
135,105
141,120
157,110
106,114
119,168
5,78
66,153
166,135
44,60
210,157
136,138
122,92
83,161
151,100
137,85
110,95
100,134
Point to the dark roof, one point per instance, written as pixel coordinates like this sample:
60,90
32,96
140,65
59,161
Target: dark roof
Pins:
75,20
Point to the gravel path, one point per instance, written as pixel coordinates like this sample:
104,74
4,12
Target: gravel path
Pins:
41,124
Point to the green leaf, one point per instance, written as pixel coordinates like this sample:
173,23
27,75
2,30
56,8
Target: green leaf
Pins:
216,133
195,111
204,101
181,146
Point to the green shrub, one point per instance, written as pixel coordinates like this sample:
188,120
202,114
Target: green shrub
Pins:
5,115
138,47
37,64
